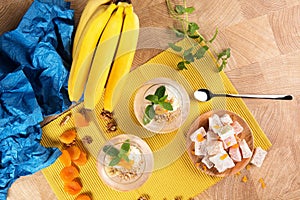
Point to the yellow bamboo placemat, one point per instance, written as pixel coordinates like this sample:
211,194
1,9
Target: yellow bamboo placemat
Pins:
173,170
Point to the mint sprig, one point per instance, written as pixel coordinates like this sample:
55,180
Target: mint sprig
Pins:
158,98
117,154
190,30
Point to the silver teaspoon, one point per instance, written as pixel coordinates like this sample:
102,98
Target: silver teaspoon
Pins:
205,95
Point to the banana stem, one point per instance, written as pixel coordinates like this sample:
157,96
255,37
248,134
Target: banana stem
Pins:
117,1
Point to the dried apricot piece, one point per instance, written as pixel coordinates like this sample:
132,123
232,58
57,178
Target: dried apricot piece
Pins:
65,158
67,174
81,160
74,152
80,120
68,136
73,187
83,197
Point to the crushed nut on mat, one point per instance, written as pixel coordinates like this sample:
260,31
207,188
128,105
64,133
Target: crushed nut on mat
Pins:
144,197
65,119
87,139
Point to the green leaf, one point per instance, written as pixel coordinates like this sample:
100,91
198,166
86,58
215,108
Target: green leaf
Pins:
200,52
110,150
174,47
181,65
188,51
125,157
114,161
125,146
192,28
166,105
152,98
179,9
214,36
150,112
163,98
189,10
228,53
223,65
189,57
160,91
146,119
179,33
225,52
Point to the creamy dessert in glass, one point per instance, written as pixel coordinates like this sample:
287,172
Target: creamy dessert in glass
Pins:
125,162
161,105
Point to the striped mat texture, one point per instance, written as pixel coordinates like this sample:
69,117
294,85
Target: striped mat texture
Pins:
174,174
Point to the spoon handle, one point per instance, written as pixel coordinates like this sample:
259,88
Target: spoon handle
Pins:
259,96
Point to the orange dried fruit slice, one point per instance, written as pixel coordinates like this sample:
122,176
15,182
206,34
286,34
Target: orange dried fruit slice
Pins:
80,120
83,197
67,174
81,160
74,152
125,164
65,158
68,136
73,187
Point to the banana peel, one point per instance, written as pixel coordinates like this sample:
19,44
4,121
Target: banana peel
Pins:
87,43
124,58
89,10
102,59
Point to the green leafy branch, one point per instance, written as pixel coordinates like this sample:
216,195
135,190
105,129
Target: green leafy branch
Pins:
158,98
189,30
116,154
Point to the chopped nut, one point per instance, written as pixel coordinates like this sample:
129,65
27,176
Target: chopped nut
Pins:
65,119
112,126
144,197
87,139
178,198
106,115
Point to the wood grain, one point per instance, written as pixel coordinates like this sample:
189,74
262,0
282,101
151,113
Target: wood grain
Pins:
265,44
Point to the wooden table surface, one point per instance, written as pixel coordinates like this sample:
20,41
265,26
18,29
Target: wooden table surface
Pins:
264,37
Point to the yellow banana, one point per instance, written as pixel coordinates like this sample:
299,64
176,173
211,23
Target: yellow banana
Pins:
88,11
86,46
124,58
103,58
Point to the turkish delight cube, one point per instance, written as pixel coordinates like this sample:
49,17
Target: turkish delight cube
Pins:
214,147
222,161
225,132
237,127
200,148
215,123
195,134
229,141
235,153
246,151
226,119
258,157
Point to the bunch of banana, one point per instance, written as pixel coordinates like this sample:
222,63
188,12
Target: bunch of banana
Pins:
103,51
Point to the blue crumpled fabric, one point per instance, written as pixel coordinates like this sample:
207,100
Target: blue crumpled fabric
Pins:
34,66
40,46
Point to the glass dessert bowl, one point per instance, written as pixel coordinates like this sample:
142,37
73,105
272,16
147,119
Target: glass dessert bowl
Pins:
161,105
125,162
